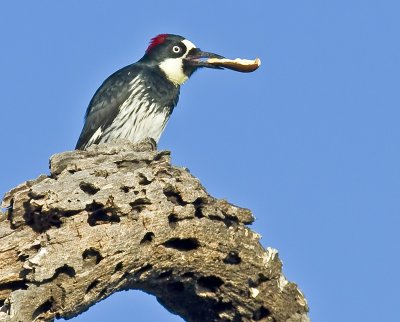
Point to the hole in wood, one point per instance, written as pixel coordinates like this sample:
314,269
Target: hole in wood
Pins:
65,269
39,220
143,180
92,254
13,286
92,286
93,206
88,188
231,221
125,189
139,204
261,313
23,257
147,238
182,244
173,196
198,206
43,308
172,220
118,267
232,258
100,215
211,283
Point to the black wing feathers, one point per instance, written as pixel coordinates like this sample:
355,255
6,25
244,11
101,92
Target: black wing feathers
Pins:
104,106
116,89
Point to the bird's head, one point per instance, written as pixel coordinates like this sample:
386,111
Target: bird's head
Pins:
177,57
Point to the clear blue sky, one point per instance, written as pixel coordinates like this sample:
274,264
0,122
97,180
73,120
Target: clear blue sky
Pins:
310,142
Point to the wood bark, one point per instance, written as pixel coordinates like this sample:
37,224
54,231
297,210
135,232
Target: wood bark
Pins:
118,216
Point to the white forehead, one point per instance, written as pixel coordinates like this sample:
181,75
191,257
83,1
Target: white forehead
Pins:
189,45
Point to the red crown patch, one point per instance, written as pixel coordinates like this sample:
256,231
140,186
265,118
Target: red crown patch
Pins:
157,40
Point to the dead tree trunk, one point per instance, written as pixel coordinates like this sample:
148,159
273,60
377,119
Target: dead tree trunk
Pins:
119,217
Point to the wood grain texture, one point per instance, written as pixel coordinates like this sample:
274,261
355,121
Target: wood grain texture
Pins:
118,216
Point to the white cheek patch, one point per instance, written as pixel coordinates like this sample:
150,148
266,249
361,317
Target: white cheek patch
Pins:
173,68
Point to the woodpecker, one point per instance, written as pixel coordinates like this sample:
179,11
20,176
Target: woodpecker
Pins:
136,101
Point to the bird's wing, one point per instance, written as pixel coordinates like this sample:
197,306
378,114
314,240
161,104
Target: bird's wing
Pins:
105,104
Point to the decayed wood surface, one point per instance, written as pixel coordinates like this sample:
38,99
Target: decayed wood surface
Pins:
118,217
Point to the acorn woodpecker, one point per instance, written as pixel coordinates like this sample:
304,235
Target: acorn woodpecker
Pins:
136,101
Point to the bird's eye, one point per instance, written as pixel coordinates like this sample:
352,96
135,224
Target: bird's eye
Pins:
176,49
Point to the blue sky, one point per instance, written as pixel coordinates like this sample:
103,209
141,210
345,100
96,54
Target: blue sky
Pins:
309,142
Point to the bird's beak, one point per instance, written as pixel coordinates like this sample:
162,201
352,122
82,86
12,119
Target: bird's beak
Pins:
198,58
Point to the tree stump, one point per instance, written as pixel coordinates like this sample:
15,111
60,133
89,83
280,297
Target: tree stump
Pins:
118,216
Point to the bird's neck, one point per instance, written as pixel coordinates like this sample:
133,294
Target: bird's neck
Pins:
160,88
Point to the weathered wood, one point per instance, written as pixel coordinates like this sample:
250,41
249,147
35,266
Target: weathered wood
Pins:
118,217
